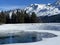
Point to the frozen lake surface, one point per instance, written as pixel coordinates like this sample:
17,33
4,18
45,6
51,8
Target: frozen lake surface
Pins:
45,34
33,26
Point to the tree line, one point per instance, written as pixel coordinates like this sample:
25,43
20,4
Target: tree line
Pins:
18,17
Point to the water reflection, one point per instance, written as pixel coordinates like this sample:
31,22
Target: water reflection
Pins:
20,38
25,37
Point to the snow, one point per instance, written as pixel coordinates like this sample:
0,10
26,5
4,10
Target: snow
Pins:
57,3
48,9
38,26
52,41
10,15
53,28
35,26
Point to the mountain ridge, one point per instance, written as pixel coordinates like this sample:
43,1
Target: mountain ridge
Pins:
42,9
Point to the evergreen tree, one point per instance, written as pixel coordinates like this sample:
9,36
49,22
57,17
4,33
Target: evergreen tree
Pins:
8,18
14,18
26,17
2,17
33,18
17,18
20,16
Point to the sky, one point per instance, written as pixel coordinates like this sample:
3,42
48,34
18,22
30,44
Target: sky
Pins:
10,4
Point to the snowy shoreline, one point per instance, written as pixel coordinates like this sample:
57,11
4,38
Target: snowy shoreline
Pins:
53,28
12,28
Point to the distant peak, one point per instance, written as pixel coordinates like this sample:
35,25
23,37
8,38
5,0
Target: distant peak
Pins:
34,5
57,3
43,9
49,3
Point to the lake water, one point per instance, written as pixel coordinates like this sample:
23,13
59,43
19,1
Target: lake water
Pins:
22,38
25,37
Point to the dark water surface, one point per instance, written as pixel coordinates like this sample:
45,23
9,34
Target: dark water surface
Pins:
22,38
25,37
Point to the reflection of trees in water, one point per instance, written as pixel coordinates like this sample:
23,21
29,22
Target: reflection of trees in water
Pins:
18,39
25,37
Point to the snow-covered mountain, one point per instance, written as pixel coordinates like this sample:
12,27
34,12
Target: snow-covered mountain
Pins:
44,9
41,9
12,11
57,3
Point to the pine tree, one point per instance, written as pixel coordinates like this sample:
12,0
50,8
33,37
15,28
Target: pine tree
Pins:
2,17
8,19
17,16
14,18
26,17
20,16
33,18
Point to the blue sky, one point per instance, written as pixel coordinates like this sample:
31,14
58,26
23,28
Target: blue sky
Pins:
8,4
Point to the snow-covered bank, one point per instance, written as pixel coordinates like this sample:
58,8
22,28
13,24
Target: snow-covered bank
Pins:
39,27
53,28
48,41
33,26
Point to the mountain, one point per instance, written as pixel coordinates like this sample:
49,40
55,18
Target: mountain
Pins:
12,11
41,9
57,4
50,19
46,13
44,9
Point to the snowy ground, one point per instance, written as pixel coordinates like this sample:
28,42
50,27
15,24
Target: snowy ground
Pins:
50,28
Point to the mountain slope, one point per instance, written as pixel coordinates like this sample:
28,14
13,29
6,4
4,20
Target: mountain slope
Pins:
57,3
42,9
